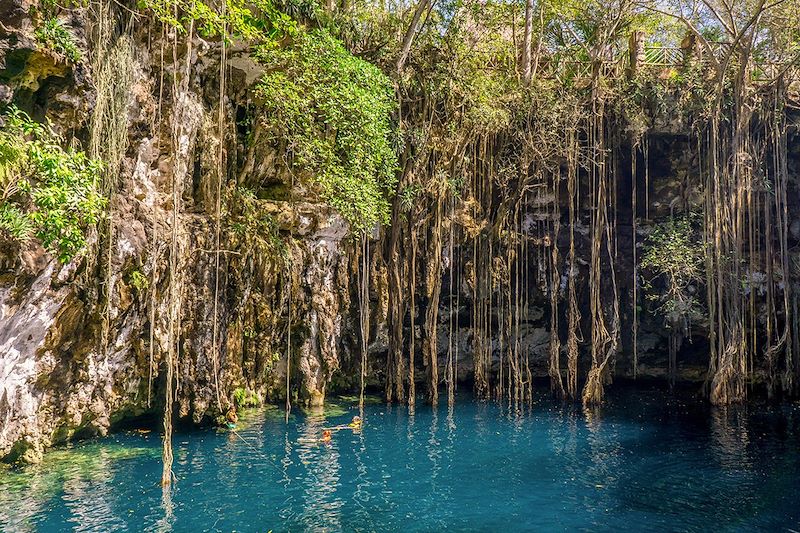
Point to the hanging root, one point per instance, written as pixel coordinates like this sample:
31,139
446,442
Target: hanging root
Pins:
593,389
556,384
175,279
363,307
112,66
728,383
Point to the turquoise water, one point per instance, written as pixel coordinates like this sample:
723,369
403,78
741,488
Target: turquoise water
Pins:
644,463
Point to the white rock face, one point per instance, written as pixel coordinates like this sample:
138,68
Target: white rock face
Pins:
24,326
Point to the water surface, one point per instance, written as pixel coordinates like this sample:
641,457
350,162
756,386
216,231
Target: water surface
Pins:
644,462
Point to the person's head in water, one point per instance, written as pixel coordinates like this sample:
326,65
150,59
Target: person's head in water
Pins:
356,421
326,435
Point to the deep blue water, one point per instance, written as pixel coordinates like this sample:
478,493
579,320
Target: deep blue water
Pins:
644,462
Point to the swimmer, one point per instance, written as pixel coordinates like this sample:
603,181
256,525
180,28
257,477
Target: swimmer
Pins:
231,418
326,438
354,424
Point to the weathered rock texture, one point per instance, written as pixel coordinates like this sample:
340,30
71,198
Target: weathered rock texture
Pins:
82,345
78,350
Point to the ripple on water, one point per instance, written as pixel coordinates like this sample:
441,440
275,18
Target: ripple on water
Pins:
639,463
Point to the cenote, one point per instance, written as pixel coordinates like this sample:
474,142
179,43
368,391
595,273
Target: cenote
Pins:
644,461
580,219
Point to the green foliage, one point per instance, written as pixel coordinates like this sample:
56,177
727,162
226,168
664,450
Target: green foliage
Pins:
659,29
409,196
47,191
303,10
257,20
244,398
138,281
332,110
15,222
472,77
455,185
673,254
56,37
368,29
256,229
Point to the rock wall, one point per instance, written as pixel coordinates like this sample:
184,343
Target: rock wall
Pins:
82,345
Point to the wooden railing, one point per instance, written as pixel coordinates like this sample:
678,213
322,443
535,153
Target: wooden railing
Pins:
663,56
670,57
655,60
658,62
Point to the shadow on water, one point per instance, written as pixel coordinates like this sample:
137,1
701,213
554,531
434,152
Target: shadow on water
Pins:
645,461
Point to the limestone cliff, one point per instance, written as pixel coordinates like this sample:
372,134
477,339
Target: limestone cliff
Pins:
83,344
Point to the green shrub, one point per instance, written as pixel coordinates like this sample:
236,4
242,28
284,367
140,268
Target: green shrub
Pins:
47,191
56,37
138,281
333,110
673,254
244,399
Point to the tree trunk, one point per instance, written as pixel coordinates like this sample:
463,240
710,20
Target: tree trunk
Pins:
526,43
408,39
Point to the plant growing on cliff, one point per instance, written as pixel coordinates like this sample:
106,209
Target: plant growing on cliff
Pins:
255,229
332,111
673,254
53,35
47,191
244,398
138,281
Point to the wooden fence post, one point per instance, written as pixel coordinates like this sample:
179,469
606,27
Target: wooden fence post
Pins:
691,51
636,51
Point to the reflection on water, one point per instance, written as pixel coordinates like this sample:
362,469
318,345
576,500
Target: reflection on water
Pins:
168,511
729,433
89,499
321,478
605,449
78,477
643,462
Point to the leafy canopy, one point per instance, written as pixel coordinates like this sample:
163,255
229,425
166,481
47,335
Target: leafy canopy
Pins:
253,20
